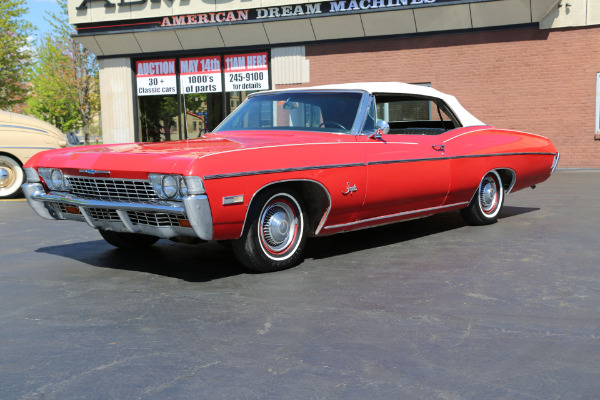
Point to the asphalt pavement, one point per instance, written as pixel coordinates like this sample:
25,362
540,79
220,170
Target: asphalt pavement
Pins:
426,309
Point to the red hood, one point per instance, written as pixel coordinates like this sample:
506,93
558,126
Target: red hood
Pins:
167,157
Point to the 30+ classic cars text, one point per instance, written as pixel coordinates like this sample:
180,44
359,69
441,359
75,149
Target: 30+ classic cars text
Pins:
291,164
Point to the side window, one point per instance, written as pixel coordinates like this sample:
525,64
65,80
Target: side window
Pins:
414,115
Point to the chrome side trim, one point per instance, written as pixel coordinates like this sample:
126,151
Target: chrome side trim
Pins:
409,161
282,170
533,153
365,164
26,128
27,147
384,217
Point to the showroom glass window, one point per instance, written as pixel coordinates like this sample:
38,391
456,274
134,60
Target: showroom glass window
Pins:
189,96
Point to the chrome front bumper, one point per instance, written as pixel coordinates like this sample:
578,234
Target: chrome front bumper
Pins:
147,218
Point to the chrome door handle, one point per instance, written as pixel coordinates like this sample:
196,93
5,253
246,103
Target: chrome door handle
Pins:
439,147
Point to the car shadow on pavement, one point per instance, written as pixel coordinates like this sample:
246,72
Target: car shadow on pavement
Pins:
395,233
192,263
210,261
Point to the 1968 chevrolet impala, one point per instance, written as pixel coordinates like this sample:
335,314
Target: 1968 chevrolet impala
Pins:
291,164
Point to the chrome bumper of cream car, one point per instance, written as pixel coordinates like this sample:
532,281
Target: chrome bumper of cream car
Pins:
189,217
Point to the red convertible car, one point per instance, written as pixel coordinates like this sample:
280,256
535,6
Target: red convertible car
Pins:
294,163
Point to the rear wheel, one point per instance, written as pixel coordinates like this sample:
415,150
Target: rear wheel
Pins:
275,232
129,241
487,202
11,177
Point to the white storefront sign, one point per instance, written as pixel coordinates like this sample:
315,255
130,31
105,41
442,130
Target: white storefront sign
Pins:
246,72
156,77
200,75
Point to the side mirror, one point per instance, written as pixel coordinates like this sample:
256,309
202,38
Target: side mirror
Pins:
381,128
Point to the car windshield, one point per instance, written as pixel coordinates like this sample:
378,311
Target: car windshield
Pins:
320,111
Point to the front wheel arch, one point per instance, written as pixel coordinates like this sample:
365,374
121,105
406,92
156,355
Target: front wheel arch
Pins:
313,194
275,233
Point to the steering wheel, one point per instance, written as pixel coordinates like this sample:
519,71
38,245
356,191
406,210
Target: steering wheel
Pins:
330,123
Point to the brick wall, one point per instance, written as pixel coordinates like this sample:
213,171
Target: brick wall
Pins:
539,81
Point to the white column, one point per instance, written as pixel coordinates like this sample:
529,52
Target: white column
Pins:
289,65
117,100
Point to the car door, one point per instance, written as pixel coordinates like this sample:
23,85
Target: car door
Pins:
407,171
404,174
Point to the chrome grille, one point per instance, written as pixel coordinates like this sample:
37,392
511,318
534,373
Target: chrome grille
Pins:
112,189
154,219
102,214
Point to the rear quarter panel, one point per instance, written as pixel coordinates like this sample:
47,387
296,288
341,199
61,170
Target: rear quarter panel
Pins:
476,151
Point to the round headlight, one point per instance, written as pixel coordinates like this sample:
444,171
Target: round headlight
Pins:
182,188
170,186
56,179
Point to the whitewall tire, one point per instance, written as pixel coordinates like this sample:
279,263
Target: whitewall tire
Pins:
487,202
11,177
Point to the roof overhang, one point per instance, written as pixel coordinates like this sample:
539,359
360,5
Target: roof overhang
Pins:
127,27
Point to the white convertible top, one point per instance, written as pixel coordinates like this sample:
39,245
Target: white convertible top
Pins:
465,117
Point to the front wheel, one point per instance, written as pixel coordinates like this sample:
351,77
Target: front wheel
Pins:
128,241
275,234
487,201
11,177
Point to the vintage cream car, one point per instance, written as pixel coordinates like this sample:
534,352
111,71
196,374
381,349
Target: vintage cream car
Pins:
20,138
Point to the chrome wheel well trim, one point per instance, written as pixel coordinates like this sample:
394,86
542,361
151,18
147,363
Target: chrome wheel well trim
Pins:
495,172
284,181
513,178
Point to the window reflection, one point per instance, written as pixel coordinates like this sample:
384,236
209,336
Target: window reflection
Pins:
158,118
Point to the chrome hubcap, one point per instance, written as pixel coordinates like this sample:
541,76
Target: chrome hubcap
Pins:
6,177
488,195
278,226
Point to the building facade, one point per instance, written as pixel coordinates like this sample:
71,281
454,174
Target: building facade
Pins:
171,69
